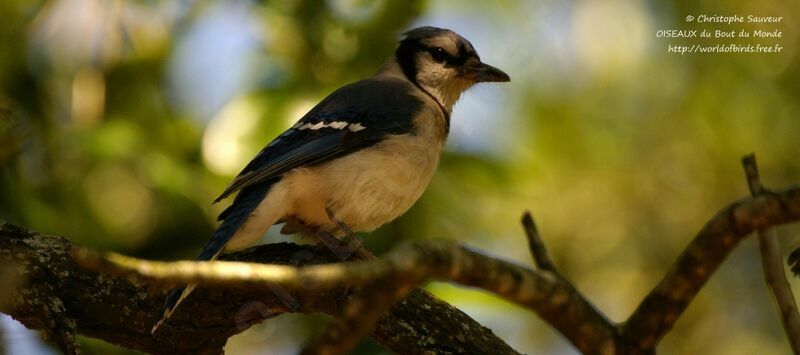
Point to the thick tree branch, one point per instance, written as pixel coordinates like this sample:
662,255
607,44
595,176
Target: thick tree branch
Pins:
119,311
368,306
659,311
772,264
555,301
359,317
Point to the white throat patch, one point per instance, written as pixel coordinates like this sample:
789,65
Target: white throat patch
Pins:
441,82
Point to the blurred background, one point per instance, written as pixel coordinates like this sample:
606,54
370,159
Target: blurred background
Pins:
120,121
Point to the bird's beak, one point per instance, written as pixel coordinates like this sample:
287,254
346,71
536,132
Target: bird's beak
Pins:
485,73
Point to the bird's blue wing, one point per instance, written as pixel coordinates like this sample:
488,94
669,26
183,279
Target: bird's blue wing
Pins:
352,118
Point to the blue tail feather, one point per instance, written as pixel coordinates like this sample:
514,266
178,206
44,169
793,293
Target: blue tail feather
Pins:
234,216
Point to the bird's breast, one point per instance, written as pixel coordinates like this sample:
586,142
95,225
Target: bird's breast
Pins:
370,187
374,186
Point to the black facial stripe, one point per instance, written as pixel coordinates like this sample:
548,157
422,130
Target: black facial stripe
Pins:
441,55
405,55
408,49
405,58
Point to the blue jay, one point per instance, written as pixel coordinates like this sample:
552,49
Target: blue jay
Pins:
358,159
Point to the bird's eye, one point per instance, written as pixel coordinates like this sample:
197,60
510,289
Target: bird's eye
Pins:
438,54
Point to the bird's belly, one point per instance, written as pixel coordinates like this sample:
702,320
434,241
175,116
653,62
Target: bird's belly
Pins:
368,188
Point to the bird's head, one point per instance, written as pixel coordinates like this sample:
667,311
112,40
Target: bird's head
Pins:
443,63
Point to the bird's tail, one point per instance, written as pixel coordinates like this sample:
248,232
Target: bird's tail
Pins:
233,218
210,252
174,299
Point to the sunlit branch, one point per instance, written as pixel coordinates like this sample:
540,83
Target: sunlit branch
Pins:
554,300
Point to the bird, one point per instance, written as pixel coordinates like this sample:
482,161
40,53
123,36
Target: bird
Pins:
358,159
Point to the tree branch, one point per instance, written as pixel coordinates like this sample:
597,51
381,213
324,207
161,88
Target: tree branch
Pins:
556,302
119,311
359,317
662,307
597,334
545,292
772,265
536,245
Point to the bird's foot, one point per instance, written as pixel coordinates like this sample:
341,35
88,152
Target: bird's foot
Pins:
349,244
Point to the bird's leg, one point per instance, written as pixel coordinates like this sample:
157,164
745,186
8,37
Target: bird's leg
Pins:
349,248
348,233
341,250
357,249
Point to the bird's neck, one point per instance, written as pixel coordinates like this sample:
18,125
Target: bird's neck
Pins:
446,97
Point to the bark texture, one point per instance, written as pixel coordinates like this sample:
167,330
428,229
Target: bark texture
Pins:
53,294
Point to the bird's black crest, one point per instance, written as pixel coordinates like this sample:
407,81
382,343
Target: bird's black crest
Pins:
424,32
